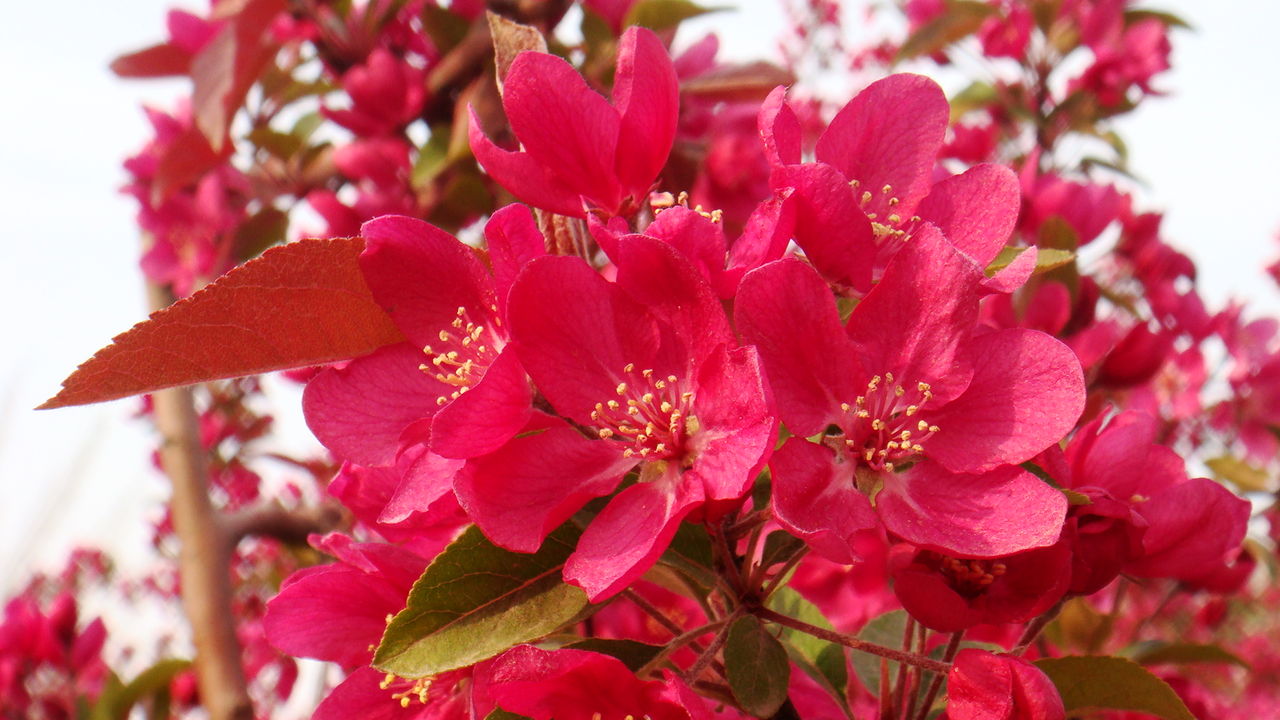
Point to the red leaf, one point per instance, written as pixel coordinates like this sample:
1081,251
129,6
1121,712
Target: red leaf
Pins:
155,61
185,162
224,70
300,304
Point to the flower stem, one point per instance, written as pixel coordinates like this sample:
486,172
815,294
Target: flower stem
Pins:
850,641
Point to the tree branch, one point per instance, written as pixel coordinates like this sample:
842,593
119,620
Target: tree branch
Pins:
204,555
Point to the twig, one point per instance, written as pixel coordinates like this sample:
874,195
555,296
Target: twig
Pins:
676,643
936,684
852,642
1035,626
275,521
652,611
204,556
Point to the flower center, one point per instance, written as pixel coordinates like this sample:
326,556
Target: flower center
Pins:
891,224
408,691
465,351
654,414
660,201
967,577
883,426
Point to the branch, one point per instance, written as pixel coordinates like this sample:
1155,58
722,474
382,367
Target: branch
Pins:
275,521
852,642
204,556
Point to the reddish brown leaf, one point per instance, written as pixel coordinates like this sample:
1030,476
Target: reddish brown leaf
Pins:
300,304
155,61
184,162
224,70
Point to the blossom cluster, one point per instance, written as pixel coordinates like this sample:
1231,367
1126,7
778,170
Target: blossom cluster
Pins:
728,402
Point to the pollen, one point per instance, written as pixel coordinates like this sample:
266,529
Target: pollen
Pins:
652,414
882,425
467,348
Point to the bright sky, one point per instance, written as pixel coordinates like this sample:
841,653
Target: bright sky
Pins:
68,281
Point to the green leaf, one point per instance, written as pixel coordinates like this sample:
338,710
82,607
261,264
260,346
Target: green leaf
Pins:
1112,683
779,547
500,714
1240,473
961,19
1168,18
755,664
690,553
476,600
445,28
1080,626
886,630
633,653
152,682
821,660
1046,259
977,95
664,14
1158,652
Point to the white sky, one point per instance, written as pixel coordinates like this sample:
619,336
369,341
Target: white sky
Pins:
68,277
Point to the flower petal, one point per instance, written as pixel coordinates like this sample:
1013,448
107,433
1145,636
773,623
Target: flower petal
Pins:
522,175
1027,393
890,134
626,538
1000,512
647,96
528,487
976,210
485,417
359,411
787,312
815,499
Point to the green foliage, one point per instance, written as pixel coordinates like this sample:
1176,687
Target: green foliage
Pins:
756,666
476,600
1159,652
961,19
1112,683
886,630
663,14
117,699
821,660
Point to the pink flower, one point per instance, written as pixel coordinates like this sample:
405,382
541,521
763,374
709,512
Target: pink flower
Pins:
386,94
983,686
949,594
910,381
647,366
581,152
1192,524
872,185
578,685
453,389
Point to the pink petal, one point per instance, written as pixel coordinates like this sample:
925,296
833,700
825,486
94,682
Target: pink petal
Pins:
696,237
889,134
513,239
575,332
425,477
527,488
564,125
779,129
833,232
1000,512
482,419
1015,274
647,96
661,278
1193,526
738,424
815,499
359,411
976,210
916,321
787,312
421,275
1027,393
764,239
627,537
522,175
